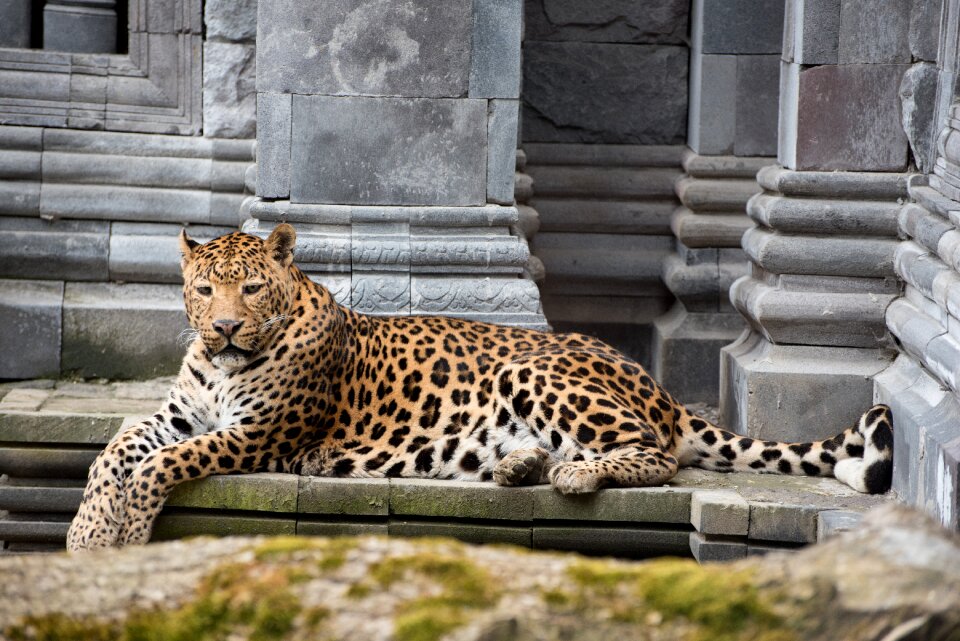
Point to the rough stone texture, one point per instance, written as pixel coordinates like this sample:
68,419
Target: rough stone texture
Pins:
712,119
30,312
758,89
811,34
740,27
53,250
843,117
918,91
343,496
420,497
659,21
15,24
834,522
874,31
79,28
777,522
275,115
502,129
495,50
626,93
255,492
925,29
346,150
721,512
232,20
369,47
632,542
229,90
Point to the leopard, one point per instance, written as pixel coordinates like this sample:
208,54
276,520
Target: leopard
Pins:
279,377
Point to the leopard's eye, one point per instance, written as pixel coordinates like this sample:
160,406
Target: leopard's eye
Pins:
253,288
204,290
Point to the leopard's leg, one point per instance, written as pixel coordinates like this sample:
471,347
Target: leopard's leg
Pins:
629,467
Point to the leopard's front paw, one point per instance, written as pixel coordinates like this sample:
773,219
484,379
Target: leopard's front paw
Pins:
576,477
98,522
521,467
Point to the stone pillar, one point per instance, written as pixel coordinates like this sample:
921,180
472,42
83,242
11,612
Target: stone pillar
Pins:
387,134
80,26
732,132
822,252
15,24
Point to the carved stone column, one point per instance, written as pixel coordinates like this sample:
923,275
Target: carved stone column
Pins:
80,26
387,135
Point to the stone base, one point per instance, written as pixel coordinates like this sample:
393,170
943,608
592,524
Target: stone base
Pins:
686,352
926,450
795,392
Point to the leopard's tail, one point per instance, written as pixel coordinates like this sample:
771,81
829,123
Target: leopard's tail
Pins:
861,456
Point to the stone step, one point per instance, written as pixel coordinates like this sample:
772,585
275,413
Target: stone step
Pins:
597,155
716,195
642,183
583,215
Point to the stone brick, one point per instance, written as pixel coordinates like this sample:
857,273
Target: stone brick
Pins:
721,512
652,22
811,34
834,522
248,492
274,115
354,497
15,24
502,121
40,499
91,31
48,427
495,50
233,20
461,499
340,528
791,523
369,47
613,100
347,150
47,462
740,27
172,525
30,312
874,31
637,505
15,530
758,90
707,549
925,29
637,543
51,250
229,90
713,104
466,532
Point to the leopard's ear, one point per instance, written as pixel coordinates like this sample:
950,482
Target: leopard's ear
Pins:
187,246
279,245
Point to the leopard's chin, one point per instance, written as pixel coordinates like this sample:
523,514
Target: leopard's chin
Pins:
231,357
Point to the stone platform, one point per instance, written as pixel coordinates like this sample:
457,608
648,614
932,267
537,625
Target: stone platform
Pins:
51,432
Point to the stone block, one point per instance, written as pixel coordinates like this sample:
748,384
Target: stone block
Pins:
32,531
467,532
79,29
712,119
48,427
173,525
826,217
874,31
47,462
150,253
53,250
247,492
495,50
778,522
274,118
708,549
596,155
834,184
106,328
811,34
502,121
833,522
838,256
640,97
340,528
636,505
659,21
233,20
619,183
460,499
229,90
110,202
40,499
15,24
720,512
758,90
925,29
348,150
635,543
20,165
31,313
604,216
844,117
20,198
141,170
740,27
504,300
354,497
918,90
365,47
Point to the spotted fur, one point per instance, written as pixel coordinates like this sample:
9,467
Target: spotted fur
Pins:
281,378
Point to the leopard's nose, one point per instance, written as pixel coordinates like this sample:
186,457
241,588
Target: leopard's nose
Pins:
226,327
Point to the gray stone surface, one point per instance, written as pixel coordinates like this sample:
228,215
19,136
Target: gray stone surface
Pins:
347,150
177,525
463,531
30,312
834,522
779,522
874,31
354,497
502,128
739,27
150,253
625,542
229,90
925,29
340,528
758,90
708,549
811,34
712,120
838,256
721,512
364,47
495,50
15,24
658,21
252,492
232,20
53,250
650,505
80,27
421,497
918,91
624,94
274,118
46,462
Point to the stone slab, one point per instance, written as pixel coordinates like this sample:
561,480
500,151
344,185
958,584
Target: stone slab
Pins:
57,427
388,151
712,119
274,118
639,98
637,505
834,522
708,549
924,34
231,20
874,31
354,497
422,497
77,31
29,462
721,512
918,90
466,532
495,50
741,27
229,90
172,525
656,21
15,24
811,34
252,492
340,528
53,250
365,47
502,128
40,499
758,91
637,543
33,531
779,522
30,312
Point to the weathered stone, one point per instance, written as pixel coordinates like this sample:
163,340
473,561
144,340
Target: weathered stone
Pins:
502,121
340,528
346,150
636,543
274,119
614,106
925,29
369,47
172,525
229,90
712,119
466,532
354,497
918,91
30,312
837,256
620,183
462,499
811,34
47,462
604,216
888,24
40,499
51,250
661,21
250,492
791,523
13,531
150,253
72,427
637,505
758,89
719,512
743,27
80,27
15,24
495,50
708,549
593,155
233,20
834,522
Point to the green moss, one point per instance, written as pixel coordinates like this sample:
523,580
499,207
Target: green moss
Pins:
58,627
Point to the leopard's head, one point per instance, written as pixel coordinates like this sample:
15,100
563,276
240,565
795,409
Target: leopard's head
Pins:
238,291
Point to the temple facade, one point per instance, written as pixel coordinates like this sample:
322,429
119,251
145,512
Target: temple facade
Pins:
756,199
